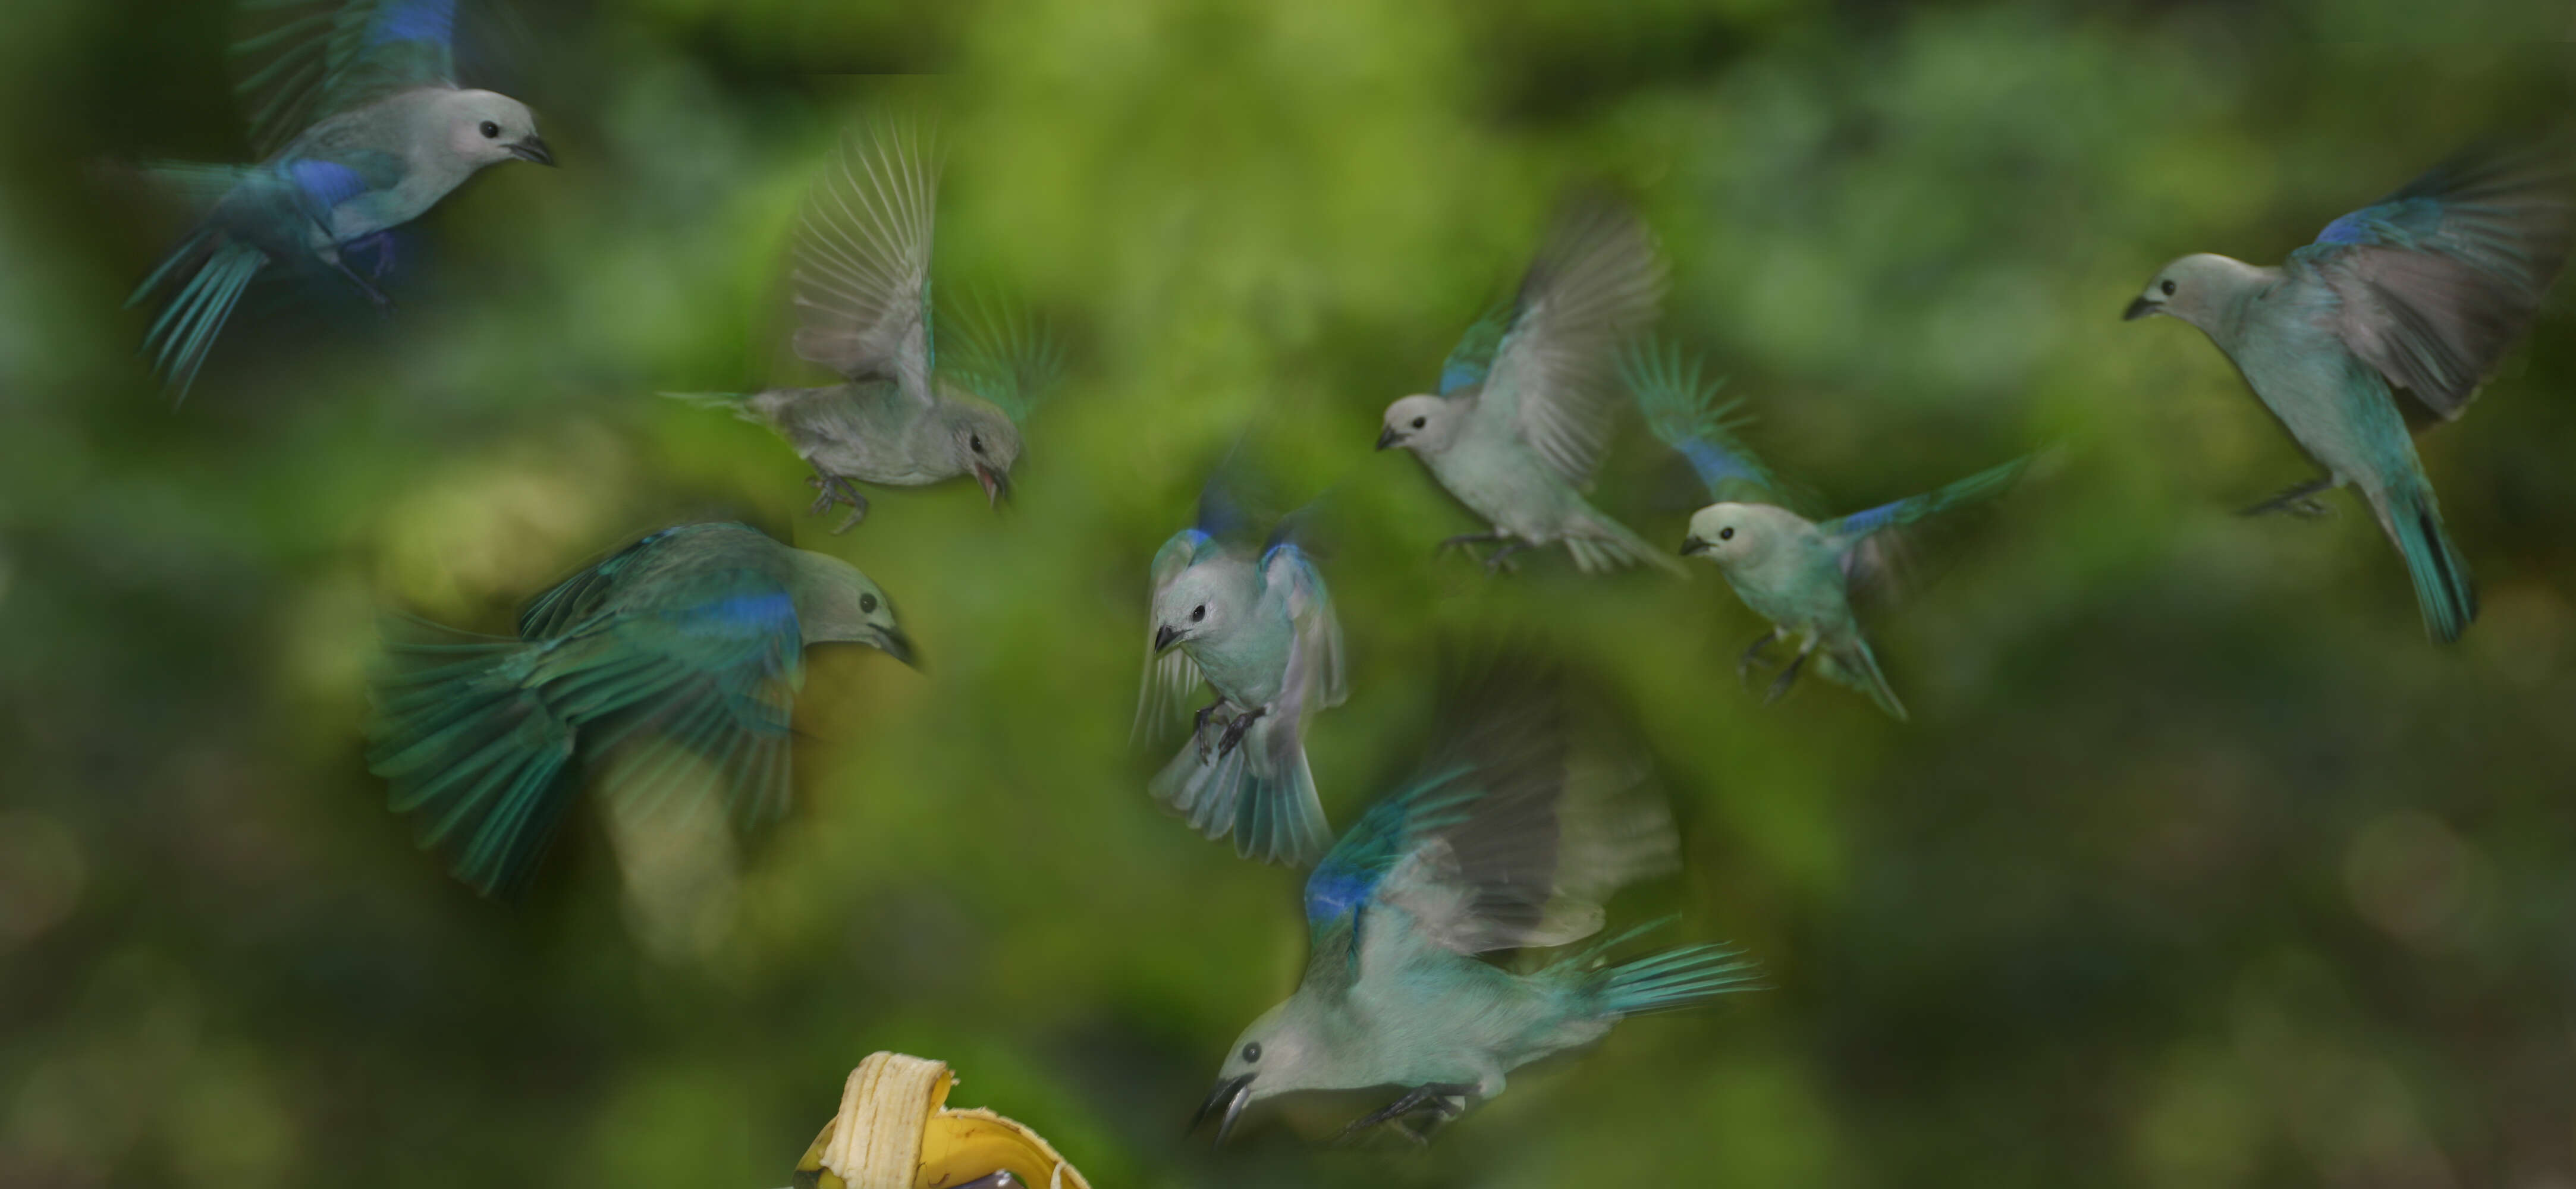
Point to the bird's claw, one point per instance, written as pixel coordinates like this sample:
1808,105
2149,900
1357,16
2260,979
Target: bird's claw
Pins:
833,489
1788,677
1198,727
1755,655
1234,730
2297,501
1439,1102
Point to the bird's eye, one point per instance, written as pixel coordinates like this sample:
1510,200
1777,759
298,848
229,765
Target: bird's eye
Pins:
2168,288
976,441
491,131
1417,422
867,603
1251,1052
1727,533
1198,613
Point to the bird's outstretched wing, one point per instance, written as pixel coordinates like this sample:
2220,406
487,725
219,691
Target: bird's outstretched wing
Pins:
1683,411
310,60
1288,569
1164,692
2436,280
1473,357
1001,353
1596,280
1502,838
1876,553
862,262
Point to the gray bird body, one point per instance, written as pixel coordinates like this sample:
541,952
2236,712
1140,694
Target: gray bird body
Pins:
676,659
1797,573
914,410
411,128
1260,631
1522,416
871,432
1501,841
390,134
2424,290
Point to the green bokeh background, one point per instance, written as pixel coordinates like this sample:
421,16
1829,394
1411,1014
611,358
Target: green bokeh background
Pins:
2198,866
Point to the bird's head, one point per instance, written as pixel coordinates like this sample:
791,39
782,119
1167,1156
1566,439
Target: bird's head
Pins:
1280,1053
1199,603
987,445
836,604
2193,288
1421,423
1734,535
487,128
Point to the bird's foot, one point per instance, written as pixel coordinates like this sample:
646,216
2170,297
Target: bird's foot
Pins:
1788,676
1754,655
2297,501
833,489
1465,542
1437,1102
1234,730
1198,727
382,245
383,303
1500,561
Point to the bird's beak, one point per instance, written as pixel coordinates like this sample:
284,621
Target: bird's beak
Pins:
1164,635
997,486
1226,1102
1386,437
2138,309
1693,545
533,149
895,644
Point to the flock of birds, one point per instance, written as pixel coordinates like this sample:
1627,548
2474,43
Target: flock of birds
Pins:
676,660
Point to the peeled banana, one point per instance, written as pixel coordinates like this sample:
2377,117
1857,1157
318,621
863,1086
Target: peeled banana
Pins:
894,1131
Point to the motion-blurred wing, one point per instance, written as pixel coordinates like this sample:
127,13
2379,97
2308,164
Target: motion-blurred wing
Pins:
1597,280
1473,357
1003,355
2438,279
862,253
1682,409
316,60
1877,553
1319,632
1500,841
702,690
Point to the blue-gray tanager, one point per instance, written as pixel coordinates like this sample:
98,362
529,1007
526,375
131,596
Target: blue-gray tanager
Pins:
1252,619
2423,290
677,658
1525,401
1502,840
908,414
363,127
1799,574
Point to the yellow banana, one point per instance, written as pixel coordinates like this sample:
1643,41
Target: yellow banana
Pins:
894,1131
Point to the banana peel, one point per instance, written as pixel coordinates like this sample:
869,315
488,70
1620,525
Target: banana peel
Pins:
896,1131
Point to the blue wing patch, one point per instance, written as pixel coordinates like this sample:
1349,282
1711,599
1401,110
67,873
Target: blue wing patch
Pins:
324,184
416,20
772,611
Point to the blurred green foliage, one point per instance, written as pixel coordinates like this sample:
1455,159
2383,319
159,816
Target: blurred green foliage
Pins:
2199,866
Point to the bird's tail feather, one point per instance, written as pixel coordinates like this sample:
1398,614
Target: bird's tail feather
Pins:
2443,589
1857,667
1274,817
1609,545
185,330
1684,976
475,753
